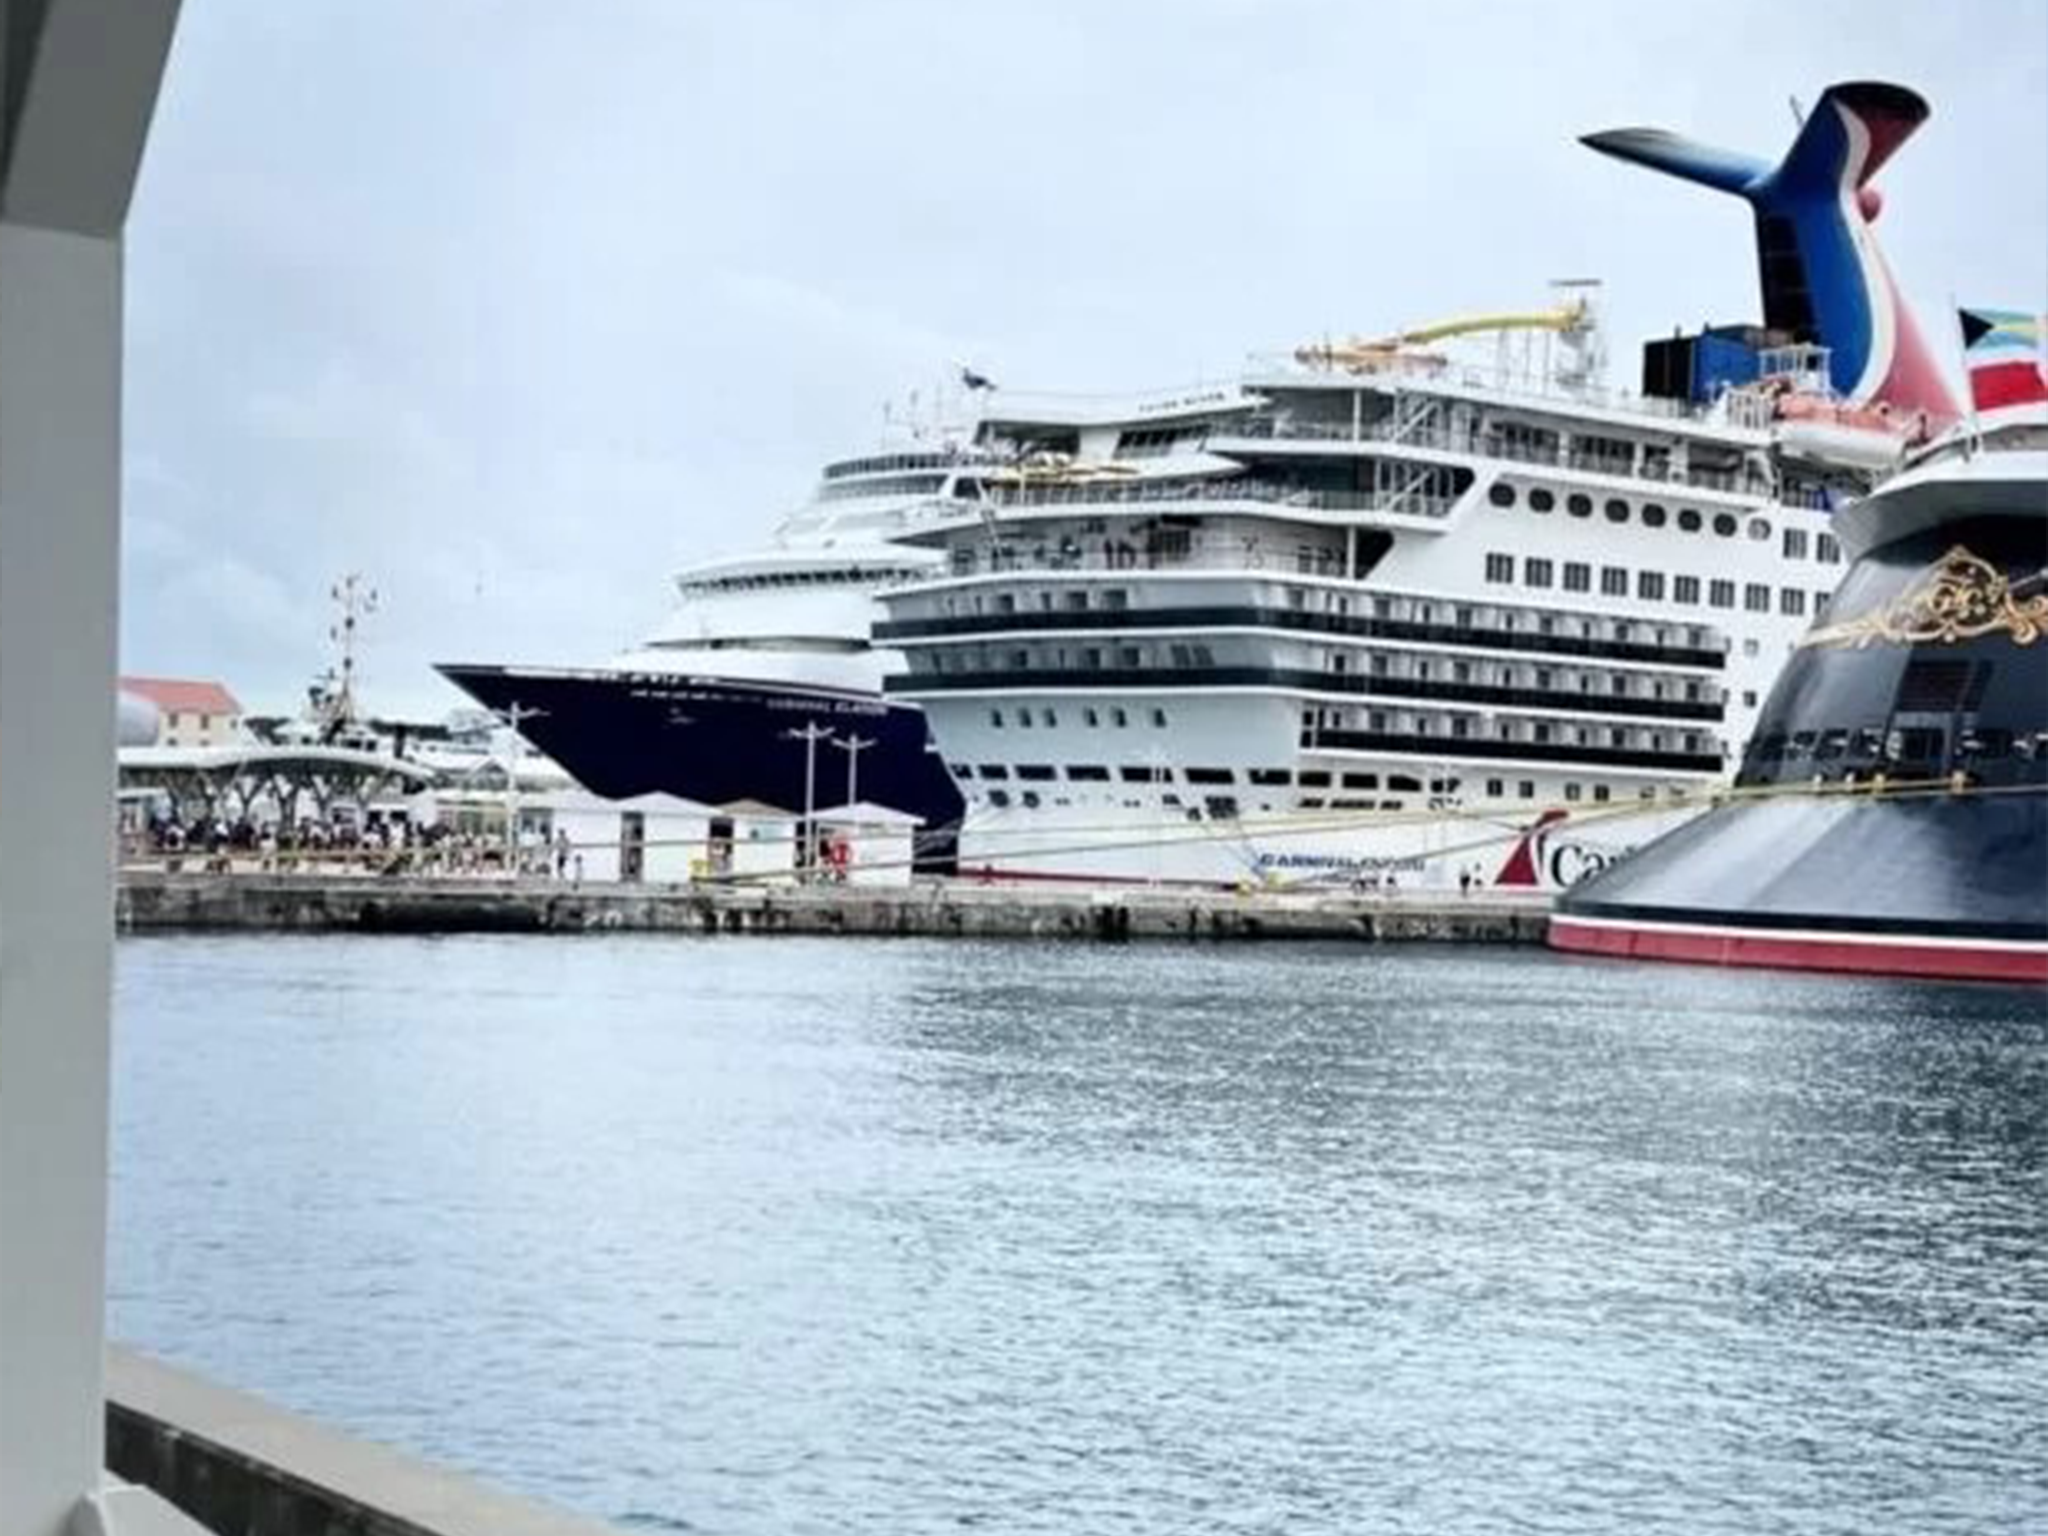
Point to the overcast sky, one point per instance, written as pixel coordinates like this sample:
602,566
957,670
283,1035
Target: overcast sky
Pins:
514,305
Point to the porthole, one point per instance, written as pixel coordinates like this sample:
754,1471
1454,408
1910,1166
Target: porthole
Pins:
1579,505
1501,494
1541,500
1689,520
1653,515
1724,524
1617,511
1759,528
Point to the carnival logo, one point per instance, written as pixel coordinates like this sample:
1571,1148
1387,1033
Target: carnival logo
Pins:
1542,858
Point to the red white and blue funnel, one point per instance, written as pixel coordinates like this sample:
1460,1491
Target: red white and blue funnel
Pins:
1824,279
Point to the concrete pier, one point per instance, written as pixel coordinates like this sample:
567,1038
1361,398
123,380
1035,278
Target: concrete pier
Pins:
151,902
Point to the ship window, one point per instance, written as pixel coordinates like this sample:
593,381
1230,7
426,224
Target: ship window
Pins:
1571,792
1127,656
1221,807
1756,597
961,770
999,798
1006,602
994,771
1792,602
1685,589
1024,718
1578,576
1724,524
1617,511
1361,781
1579,504
1270,776
1759,529
1035,773
1650,586
1600,792
1688,520
1820,602
1541,500
995,718
1495,788
1341,804
1795,543
1159,718
1401,783
1535,572
1653,515
1501,494
1526,789
1313,804
1088,773
1211,776
1090,718
1145,775
1613,581
1030,798
1500,568
1720,593
1119,718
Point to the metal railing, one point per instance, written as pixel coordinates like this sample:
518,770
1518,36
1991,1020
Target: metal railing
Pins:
1486,445
1211,492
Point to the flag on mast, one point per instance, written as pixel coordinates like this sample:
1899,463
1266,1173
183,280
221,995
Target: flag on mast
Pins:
2002,351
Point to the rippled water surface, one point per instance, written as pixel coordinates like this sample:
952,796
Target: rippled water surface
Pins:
781,1236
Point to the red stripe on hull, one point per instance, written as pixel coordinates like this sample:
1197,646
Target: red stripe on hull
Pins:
1874,956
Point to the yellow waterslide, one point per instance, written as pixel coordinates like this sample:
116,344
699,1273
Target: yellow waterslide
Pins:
1358,355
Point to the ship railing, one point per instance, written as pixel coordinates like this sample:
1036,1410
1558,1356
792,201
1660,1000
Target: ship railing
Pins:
1096,552
1281,368
1480,444
1263,493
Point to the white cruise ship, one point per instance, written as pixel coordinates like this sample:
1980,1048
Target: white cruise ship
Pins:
1375,614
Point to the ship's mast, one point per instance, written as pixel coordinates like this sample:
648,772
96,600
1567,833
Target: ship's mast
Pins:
354,600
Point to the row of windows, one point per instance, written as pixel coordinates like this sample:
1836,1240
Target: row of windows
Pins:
1162,773
1690,520
1225,806
1649,586
1091,717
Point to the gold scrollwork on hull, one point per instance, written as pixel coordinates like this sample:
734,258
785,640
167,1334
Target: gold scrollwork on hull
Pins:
1960,597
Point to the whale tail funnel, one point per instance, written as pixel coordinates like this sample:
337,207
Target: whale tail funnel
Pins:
1824,279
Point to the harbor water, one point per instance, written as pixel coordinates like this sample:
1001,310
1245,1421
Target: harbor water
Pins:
762,1236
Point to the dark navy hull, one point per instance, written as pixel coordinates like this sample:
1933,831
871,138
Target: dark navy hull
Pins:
1892,812
717,741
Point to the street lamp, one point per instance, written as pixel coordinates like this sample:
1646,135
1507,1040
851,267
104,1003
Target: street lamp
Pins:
853,746
513,715
810,735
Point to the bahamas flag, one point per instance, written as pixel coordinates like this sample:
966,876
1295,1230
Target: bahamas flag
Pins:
2002,350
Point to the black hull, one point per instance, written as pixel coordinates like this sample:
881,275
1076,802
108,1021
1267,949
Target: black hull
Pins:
1895,818
716,741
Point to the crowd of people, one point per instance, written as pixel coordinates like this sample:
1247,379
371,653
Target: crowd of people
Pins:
381,846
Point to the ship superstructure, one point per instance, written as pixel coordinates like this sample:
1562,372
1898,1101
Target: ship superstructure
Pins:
1364,581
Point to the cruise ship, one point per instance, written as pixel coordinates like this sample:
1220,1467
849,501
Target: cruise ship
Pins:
1891,815
762,654
1373,613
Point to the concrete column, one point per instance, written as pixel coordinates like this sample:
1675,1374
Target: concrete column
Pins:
80,80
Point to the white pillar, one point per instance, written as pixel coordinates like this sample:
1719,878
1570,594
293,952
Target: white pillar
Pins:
81,79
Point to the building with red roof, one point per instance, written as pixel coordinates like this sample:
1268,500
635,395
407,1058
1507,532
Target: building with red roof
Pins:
190,712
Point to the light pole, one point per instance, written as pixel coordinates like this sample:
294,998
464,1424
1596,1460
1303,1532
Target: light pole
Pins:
514,715
853,746
810,735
